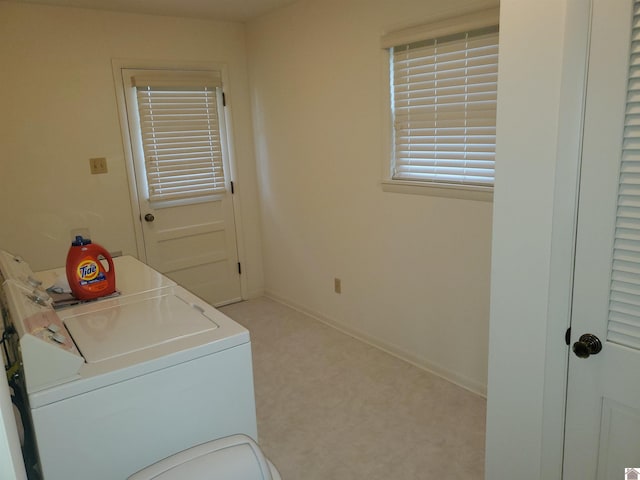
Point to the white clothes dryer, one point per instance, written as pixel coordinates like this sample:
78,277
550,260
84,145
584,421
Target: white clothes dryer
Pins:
118,384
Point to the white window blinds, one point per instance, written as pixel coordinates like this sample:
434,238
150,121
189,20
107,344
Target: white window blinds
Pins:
181,134
444,108
624,303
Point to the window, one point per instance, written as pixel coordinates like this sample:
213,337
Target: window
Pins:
443,95
180,130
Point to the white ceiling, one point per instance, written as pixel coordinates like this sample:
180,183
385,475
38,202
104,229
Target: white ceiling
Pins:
234,10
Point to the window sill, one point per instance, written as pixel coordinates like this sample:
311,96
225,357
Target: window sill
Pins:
467,192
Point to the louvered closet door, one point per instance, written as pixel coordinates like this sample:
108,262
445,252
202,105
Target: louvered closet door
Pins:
602,434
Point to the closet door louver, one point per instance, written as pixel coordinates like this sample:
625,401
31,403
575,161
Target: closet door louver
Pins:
624,307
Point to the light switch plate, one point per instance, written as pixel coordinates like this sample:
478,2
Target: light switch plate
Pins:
98,165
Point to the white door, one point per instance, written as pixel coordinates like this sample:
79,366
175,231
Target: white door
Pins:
182,179
602,435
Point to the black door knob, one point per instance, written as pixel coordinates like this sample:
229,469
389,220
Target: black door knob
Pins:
149,217
587,345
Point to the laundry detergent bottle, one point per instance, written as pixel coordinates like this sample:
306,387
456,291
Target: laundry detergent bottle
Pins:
87,276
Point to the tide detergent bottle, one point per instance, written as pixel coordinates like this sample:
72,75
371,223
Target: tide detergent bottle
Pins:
86,274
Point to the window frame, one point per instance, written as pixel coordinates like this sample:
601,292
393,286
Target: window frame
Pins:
445,27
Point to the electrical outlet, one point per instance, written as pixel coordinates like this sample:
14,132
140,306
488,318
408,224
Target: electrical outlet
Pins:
337,285
98,165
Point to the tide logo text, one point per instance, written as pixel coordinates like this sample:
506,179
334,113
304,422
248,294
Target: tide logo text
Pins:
88,270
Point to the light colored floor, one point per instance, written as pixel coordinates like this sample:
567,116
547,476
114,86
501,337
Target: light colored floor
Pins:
333,408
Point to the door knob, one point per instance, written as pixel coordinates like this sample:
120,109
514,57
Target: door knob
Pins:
149,217
588,344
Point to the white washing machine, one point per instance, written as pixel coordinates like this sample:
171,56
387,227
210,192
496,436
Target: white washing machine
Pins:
118,384
132,277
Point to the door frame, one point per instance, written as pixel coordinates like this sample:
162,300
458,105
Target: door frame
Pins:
531,298
117,65
564,232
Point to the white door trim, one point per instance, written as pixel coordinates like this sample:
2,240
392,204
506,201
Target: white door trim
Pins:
531,309
117,65
564,227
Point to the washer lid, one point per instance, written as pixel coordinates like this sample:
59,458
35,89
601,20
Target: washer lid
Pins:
125,328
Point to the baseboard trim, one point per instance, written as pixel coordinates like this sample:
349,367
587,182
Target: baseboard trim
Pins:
459,380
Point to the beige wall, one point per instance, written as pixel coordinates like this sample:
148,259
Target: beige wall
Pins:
59,109
414,269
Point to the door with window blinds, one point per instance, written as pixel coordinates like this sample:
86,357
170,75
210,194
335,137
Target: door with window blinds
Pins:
602,434
181,161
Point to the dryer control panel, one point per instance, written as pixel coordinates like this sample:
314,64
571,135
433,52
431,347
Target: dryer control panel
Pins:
49,355
14,267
